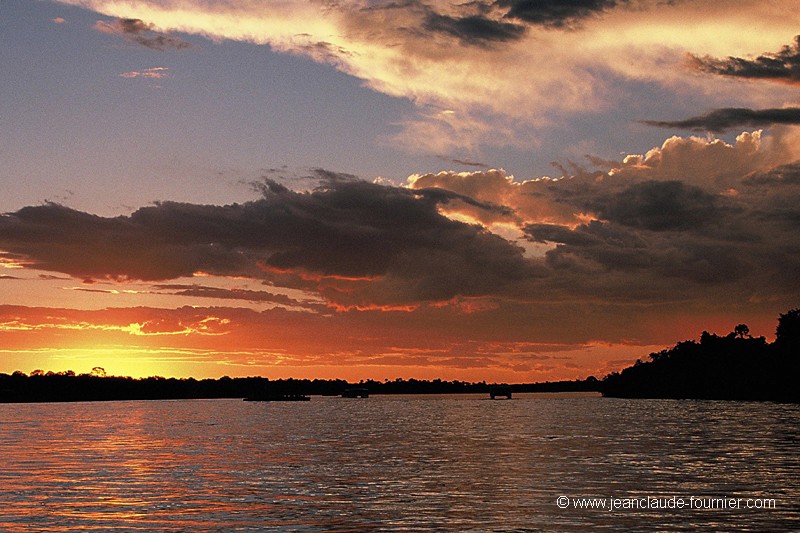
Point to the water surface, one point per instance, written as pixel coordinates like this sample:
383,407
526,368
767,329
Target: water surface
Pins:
394,463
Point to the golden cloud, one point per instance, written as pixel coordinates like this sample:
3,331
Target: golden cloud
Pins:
475,74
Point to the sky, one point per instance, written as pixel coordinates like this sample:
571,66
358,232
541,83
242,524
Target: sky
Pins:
499,190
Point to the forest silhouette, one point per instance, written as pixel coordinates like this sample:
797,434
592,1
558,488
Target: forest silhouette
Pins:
736,366
66,386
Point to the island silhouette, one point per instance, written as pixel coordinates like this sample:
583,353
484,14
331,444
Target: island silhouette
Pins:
735,366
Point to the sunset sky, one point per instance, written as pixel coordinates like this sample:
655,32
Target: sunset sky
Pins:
508,190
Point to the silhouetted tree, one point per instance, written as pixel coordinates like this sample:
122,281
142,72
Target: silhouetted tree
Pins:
787,334
741,331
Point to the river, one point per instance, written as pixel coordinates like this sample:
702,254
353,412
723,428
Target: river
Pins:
539,462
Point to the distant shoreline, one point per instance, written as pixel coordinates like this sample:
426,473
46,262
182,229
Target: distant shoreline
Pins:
69,387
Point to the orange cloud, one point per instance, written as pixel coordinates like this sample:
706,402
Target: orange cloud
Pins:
11,261
525,201
206,326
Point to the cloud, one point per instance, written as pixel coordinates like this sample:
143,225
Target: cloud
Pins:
637,253
555,13
200,291
694,226
139,32
354,242
657,232
683,220
473,29
659,206
783,175
525,202
778,192
153,73
676,223
658,266
204,325
478,73
277,343
783,66
711,164
97,291
50,277
720,120
465,162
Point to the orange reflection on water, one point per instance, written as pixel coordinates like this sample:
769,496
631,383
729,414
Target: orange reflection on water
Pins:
117,467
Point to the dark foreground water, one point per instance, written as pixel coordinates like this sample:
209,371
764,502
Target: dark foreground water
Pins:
400,463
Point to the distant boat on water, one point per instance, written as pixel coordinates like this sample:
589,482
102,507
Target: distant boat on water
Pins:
279,398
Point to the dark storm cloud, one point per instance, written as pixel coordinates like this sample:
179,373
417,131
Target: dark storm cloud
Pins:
142,33
555,13
604,250
488,22
677,224
362,245
783,66
669,239
592,247
590,234
659,206
392,240
779,192
779,176
728,118
61,239
471,24
473,29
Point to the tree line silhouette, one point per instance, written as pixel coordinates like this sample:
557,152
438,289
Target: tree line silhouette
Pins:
736,366
67,386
